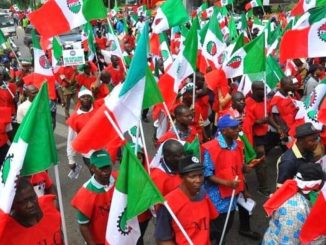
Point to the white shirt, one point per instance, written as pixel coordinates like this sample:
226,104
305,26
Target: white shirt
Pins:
22,110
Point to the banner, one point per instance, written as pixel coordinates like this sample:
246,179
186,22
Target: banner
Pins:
73,57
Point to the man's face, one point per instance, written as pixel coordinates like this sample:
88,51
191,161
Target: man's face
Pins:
86,101
231,132
32,92
193,181
102,175
239,103
26,203
114,60
172,157
310,142
185,117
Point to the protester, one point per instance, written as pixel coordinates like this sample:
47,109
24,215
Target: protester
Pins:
32,220
223,171
93,200
31,91
184,200
299,154
289,206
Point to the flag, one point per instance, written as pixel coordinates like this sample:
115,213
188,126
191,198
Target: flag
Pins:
249,151
171,13
213,45
274,72
42,69
57,51
252,4
199,10
322,112
165,51
152,94
183,66
123,105
303,6
65,15
248,59
315,224
226,2
88,32
307,39
193,148
33,149
3,40
134,193
233,33
113,42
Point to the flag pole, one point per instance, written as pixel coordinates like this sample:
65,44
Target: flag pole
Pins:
6,85
62,213
137,134
262,6
114,125
228,213
171,121
178,223
20,65
265,95
145,147
194,90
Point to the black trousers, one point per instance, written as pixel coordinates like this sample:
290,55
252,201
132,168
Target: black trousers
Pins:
217,225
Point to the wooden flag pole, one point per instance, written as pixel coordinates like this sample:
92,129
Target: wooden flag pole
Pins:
62,213
171,121
145,147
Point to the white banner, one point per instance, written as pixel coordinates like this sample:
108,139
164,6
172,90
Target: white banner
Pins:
73,57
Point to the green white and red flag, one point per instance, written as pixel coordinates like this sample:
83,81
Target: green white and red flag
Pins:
33,149
213,45
253,4
183,66
170,14
134,193
165,51
248,59
307,39
121,109
65,15
42,69
304,5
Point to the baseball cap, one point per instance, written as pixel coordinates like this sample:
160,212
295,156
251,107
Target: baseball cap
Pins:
305,129
226,122
100,159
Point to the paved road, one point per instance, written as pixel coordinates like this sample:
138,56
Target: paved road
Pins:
69,187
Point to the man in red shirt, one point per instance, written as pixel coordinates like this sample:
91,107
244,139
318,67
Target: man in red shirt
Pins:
100,41
183,123
93,200
87,78
191,205
116,70
32,220
164,172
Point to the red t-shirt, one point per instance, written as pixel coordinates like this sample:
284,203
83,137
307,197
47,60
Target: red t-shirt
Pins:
117,74
101,42
85,80
165,182
46,231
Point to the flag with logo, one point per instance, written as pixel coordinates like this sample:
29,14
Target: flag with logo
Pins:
42,69
253,4
307,39
57,51
134,193
248,59
304,5
213,45
171,13
183,66
113,42
165,51
65,15
224,3
121,109
33,149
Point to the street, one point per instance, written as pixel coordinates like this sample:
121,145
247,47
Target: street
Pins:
259,221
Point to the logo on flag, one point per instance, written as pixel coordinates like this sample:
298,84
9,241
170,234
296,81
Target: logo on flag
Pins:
123,230
6,167
165,55
157,21
307,1
112,45
74,6
310,100
235,62
322,32
312,115
211,48
181,70
44,63
221,57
